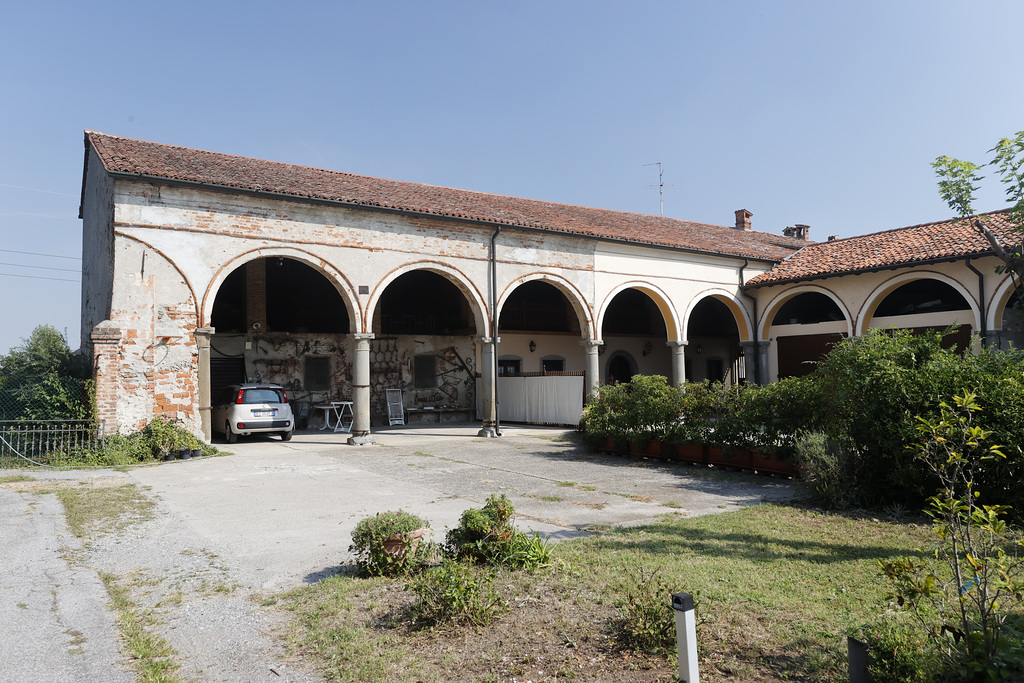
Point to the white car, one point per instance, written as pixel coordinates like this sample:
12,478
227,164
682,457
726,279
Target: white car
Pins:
242,409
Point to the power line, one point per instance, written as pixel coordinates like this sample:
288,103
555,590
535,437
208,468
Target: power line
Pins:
34,253
38,277
36,189
39,215
23,265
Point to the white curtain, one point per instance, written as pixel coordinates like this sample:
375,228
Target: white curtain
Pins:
539,400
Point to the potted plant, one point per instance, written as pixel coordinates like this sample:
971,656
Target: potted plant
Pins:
389,543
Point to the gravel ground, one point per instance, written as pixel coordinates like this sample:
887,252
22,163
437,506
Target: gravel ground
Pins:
229,532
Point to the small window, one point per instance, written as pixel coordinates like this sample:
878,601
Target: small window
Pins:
425,369
318,373
553,364
510,367
264,395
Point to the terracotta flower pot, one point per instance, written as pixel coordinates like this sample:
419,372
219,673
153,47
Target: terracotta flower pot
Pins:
400,545
690,452
652,448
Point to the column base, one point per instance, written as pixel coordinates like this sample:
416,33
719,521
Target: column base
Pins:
366,440
488,433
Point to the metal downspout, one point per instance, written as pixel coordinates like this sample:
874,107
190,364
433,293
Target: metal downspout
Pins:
753,332
494,327
981,302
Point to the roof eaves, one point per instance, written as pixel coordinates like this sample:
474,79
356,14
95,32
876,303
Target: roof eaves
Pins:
872,269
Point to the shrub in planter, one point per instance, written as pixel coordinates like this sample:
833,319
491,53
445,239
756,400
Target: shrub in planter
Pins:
488,535
604,417
389,543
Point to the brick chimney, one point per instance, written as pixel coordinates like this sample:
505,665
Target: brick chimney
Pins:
743,219
799,231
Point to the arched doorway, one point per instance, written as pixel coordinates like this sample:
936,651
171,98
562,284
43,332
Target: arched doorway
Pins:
713,351
282,321
804,329
424,344
635,334
540,329
926,304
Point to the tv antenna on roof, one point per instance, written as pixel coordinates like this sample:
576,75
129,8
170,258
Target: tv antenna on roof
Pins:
661,185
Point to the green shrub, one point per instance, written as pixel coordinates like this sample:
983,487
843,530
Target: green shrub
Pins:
831,467
160,436
963,592
646,619
897,653
457,593
488,535
369,543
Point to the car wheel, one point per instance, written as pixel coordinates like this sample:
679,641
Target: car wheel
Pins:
229,435
286,436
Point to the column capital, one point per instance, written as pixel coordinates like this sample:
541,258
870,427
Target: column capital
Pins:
202,335
489,340
363,336
677,344
591,344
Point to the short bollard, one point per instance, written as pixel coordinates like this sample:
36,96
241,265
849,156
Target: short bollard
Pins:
686,637
857,650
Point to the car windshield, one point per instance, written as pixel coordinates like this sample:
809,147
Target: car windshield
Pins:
262,396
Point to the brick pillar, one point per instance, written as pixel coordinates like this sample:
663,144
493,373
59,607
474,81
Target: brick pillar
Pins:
106,360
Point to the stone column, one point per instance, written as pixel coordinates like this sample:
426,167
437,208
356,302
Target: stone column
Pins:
361,392
203,335
106,357
678,362
755,360
488,388
750,360
592,379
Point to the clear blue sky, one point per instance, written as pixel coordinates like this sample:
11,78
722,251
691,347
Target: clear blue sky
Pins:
825,113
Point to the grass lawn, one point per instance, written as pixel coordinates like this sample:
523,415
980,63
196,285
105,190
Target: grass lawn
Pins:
776,587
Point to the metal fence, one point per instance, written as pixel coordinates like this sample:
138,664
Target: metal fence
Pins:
24,443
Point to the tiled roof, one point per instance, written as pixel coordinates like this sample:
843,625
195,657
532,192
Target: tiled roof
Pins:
152,160
929,242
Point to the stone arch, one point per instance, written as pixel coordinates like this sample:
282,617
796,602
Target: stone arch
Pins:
660,299
334,276
738,310
776,303
892,284
997,304
175,266
453,275
571,293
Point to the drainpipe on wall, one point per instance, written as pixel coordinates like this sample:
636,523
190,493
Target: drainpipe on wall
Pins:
981,302
753,332
494,327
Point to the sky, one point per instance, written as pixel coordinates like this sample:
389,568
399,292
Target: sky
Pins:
822,113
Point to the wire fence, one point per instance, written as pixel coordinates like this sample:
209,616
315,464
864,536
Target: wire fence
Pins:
26,443
46,420
44,397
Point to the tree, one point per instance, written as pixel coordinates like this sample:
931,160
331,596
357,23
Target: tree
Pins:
44,352
958,182
43,379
